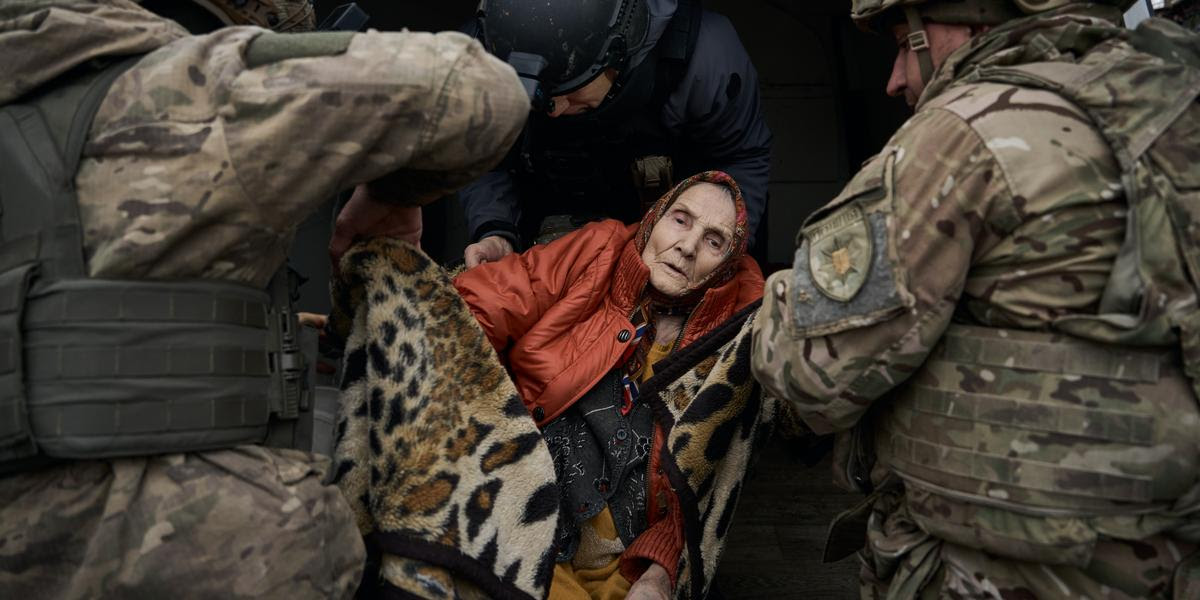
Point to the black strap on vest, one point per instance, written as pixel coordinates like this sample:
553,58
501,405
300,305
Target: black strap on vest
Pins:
41,140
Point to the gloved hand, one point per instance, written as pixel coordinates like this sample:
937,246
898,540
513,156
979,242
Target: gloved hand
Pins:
490,249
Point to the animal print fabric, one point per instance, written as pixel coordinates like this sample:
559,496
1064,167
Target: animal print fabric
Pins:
449,476
716,418
447,473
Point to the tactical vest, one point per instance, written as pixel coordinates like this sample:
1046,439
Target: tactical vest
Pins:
1030,445
94,368
579,164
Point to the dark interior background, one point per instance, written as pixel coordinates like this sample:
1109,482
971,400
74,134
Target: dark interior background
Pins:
822,88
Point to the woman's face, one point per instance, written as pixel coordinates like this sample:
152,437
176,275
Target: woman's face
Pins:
691,239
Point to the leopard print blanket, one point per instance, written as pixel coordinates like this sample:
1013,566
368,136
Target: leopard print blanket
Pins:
447,473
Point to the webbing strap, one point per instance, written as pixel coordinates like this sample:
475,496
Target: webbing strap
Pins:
1049,353
85,300
16,441
149,417
287,393
68,238
1017,473
121,368
56,363
918,41
53,127
17,252
988,409
1084,422
34,180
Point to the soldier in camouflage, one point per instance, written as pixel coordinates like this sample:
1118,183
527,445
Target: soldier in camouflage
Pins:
998,314
202,158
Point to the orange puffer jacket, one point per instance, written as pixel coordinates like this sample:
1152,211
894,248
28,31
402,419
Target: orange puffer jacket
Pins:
558,315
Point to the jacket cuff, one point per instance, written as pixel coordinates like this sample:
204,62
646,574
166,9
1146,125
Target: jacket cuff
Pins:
505,230
662,543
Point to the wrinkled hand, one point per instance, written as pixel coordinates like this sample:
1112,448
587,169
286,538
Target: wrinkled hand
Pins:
313,320
317,322
654,584
490,249
365,216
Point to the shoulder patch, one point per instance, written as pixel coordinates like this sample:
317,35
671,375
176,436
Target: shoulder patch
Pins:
839,256
839,287
843,272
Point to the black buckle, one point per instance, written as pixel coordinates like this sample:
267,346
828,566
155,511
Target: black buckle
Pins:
289,364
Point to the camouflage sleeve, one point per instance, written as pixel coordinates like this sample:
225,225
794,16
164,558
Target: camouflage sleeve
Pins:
207,153
416,113
879,272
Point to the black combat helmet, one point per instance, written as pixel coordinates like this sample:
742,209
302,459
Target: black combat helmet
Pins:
558,46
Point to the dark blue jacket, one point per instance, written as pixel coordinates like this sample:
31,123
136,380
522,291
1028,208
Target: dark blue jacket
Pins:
714,118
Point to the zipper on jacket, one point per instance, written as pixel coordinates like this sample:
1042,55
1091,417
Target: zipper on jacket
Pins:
650,469
682,330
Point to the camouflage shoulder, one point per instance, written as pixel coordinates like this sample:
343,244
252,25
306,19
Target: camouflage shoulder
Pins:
848,271
1045,147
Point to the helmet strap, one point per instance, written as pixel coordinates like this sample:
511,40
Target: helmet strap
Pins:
918,42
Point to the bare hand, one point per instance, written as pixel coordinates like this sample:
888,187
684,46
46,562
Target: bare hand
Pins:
654,584
365,216
313,320
317,322
490,249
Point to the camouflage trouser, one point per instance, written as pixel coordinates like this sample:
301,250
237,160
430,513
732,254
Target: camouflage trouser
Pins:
246,522
903,562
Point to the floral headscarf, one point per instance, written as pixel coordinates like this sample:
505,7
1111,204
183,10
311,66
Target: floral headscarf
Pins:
654,301
737,246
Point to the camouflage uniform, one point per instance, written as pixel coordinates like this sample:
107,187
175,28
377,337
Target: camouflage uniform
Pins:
995,214
200,162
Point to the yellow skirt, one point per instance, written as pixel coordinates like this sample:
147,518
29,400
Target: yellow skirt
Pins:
604,583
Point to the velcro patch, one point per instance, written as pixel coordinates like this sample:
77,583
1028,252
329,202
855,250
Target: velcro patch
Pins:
840,253
843,276
273,47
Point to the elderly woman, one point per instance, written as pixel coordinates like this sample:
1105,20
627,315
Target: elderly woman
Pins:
582,322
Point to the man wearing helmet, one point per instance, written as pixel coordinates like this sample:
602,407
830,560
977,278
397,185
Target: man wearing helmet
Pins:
627,95
152,372
997,316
